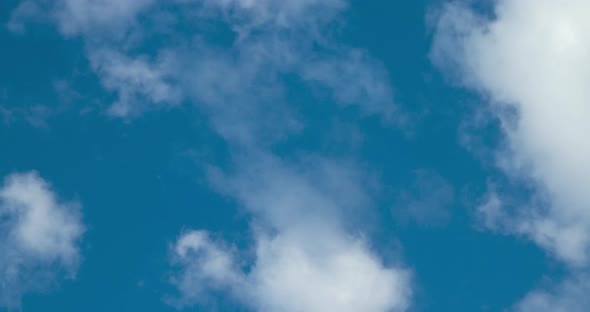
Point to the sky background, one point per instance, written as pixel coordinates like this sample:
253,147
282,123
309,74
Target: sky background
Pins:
383,128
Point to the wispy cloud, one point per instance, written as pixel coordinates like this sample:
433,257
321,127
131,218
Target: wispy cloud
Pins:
309,255
39,237
271,39
74,17
140,83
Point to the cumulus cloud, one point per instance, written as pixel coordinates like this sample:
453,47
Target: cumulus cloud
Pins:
304,259
205,266
39,237
531,59
569,296
290,274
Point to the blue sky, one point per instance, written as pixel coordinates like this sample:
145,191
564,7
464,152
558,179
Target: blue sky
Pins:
296,155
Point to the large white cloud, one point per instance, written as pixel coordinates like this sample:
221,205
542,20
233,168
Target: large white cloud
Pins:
39,237
533,58
531,61
304,258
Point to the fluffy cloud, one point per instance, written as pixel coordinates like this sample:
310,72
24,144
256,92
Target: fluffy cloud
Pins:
290,274
39,237
304,260
530,61
570,296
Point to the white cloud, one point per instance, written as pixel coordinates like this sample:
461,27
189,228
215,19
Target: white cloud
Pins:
204,266
304,259
532,59
330,273
293,273
139,82
569,296
283,195
39,237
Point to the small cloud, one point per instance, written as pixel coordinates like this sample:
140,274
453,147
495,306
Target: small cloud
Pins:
491,212
39,237
136,81
27,10
570,295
